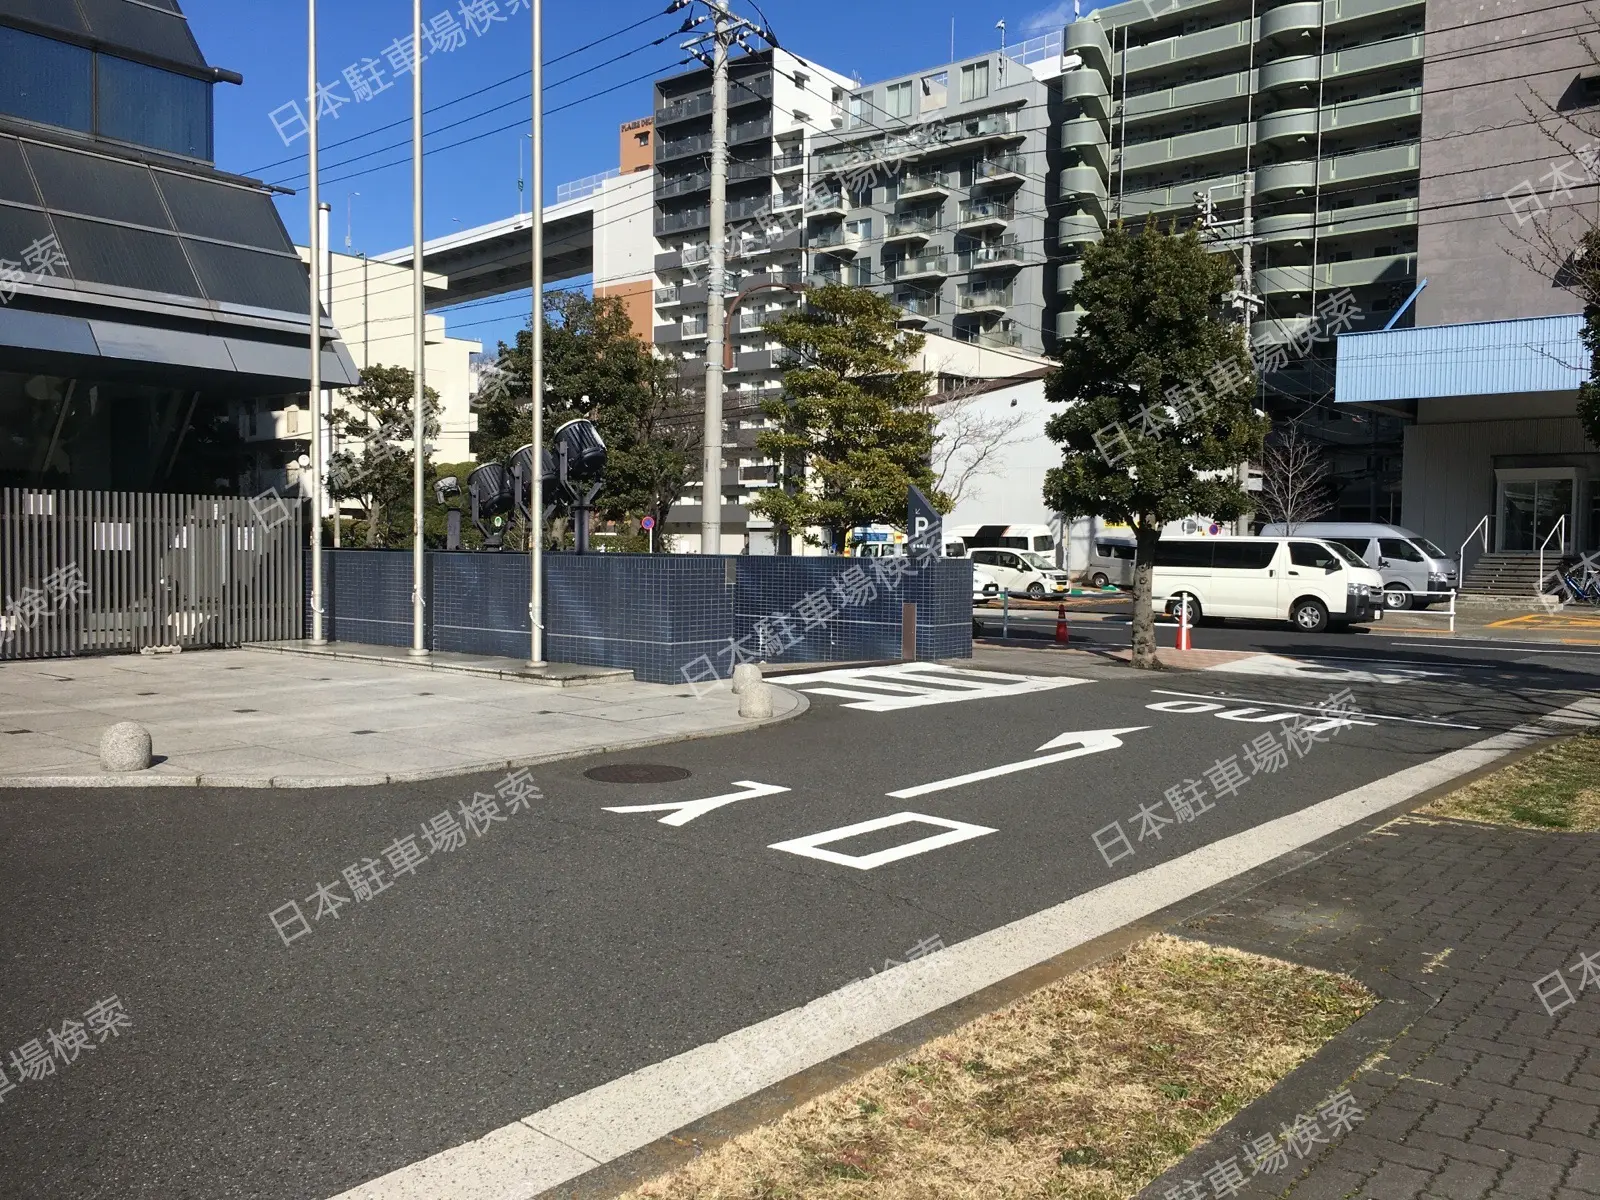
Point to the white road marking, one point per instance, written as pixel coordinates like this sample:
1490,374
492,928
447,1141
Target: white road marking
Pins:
559,1143
684,811
1308,708
1092,741
1508,647
1245,715
918,684
1289,668
811,845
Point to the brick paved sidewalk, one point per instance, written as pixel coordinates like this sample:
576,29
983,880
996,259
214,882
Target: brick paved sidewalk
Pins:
1470,1088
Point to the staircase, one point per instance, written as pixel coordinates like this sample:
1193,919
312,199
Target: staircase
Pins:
1507,574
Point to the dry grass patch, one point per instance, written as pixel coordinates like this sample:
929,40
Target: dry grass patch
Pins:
1088,1088
1555,788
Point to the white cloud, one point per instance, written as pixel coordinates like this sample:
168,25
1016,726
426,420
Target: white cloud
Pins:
1049,20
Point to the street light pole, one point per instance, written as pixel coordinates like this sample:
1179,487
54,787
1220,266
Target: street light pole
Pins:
314,397
536,350
419,426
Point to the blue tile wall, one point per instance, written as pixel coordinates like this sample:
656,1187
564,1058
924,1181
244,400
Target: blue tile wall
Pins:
658,615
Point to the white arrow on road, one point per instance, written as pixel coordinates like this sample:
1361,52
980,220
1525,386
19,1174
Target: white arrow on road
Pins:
1090,741
684,811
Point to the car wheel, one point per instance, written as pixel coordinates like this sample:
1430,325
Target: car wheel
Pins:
1100,580
1397,599
1036,591
1193,605
1309,616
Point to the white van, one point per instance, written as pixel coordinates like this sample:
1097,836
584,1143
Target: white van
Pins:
1037,539
1310,582
1414,570
1022,571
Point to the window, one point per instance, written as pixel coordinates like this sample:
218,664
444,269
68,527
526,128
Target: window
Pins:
1357,545
1044,541
857,108
1399,548
1309,554
985,557
155,108
935,91
45,81
974,82
1244,556
1186,554
897,99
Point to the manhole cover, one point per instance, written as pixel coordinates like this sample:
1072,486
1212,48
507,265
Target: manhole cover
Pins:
635,773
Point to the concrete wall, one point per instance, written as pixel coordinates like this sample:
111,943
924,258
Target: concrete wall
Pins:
1487,60
1448,482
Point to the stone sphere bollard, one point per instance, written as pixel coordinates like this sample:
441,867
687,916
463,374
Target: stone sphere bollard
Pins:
125,747
755,701
744,675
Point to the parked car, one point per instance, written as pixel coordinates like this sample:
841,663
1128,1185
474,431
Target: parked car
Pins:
1414,570
984,587
1110,562
1310,582
1022,571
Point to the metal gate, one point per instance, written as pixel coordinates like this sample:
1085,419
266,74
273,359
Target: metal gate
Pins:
86,572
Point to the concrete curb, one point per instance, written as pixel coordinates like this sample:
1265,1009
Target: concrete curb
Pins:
799,704
590,677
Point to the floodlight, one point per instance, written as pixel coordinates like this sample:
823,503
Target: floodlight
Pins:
489,487
585,450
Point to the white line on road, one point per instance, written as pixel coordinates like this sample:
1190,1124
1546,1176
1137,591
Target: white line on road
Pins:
567,1139
684,811
811,846
1308,708
1093,741
919,684
1507,647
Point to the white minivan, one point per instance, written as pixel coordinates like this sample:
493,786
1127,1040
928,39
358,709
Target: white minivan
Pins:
1310,582
1022,571
1416,573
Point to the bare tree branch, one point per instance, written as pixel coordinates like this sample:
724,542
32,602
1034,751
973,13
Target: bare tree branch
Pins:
968,441
1295,479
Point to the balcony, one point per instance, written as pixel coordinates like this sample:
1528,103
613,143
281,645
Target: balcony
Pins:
691,328
1372,165
1286,178
1179,197
1289,126
917,308
1292,23
1373,110
667,150
1002,169
910,227
928,266
1067,276
786,201
665,297
915,186
1086,93
789,160
1296,228
682,185
678,222
1085,186
1005,253
1190,49
991,339
774,242
819,279
986,127
1341,12
1301,72
750,131
986,214
1376,56
1187,147
1352,273
826,204
1079,229
984,300
1202,94
740,91
1067,322
744,210
835,240
1088,40
1085,141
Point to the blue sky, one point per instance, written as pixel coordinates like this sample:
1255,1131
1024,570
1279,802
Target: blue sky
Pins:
476,181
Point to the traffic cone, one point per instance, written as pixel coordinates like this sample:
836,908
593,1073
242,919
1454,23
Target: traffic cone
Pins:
1061,625
1183,626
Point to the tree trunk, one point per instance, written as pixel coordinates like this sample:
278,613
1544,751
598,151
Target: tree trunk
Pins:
1144,625
374,510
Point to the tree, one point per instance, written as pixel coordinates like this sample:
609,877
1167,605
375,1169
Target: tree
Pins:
853,427
968,441
595,366
1295,479
377,414
1158,389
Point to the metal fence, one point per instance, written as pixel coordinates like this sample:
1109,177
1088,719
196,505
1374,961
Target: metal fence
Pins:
86,572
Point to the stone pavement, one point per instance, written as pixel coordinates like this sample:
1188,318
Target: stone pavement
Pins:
244,718
1470,1088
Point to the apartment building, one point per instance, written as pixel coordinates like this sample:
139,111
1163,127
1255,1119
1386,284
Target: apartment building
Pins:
934,189
1317,106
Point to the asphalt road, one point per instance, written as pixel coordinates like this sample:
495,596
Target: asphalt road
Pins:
566,945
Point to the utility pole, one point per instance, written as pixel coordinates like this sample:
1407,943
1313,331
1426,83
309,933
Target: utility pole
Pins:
419,427
727,30
536,349
716,333
1247,310
314,398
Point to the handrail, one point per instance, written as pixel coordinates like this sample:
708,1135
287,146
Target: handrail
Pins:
1561,528
1461,554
